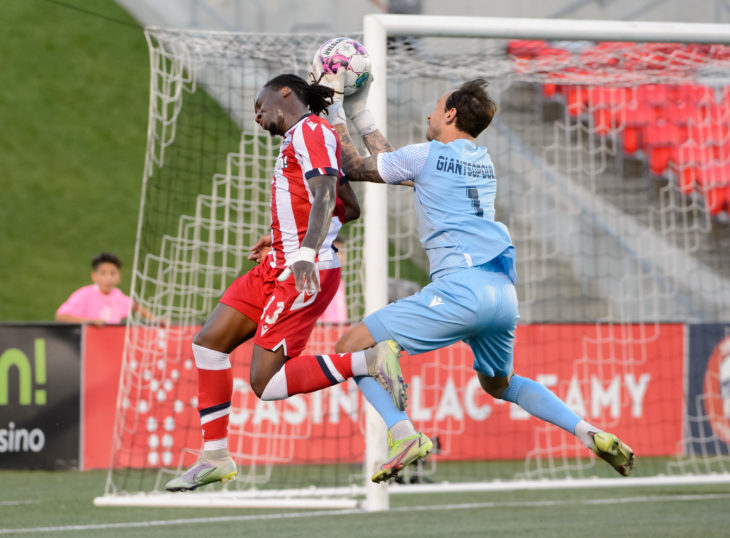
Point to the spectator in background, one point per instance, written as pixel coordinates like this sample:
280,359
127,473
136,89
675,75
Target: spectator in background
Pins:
102,302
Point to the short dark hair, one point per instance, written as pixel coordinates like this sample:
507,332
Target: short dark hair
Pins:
106,257
315,96
474,108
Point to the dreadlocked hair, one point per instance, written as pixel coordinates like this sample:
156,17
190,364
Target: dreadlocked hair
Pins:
315,96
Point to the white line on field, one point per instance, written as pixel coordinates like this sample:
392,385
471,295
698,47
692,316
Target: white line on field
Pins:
16,502
329,513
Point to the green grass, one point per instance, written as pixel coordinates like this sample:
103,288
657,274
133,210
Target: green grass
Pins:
34,500
73,106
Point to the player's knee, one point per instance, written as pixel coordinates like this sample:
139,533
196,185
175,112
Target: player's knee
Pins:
494,386
341,346
202,338
199,340
258,385
355,339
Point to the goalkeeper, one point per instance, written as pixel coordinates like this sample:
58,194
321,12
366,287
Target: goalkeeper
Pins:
472,266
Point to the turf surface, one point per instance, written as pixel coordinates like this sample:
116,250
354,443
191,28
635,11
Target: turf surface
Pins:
34,503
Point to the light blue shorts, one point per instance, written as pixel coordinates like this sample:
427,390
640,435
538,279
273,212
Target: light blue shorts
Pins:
477,305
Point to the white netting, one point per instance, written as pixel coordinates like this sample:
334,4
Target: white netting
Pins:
618,225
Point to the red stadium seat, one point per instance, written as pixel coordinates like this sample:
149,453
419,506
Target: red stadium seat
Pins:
695,94
652,94
714,182
526,48
603,97
576,99
688,159
602,123
634,117
659,139
710,132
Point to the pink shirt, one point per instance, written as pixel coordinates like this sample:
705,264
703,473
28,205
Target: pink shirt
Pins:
89,302
337,310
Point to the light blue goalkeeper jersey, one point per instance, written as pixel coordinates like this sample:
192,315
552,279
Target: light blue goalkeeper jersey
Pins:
455,188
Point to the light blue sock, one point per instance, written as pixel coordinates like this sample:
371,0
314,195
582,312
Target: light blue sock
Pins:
540,402
380,399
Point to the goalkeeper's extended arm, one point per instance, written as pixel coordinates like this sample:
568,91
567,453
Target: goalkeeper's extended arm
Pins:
356,108
355,166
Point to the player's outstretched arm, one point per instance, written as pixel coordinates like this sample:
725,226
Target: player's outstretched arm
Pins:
356,167
356,108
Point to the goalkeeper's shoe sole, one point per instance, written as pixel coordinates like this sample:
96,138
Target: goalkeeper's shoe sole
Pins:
617,453
204,472
383,365
402,452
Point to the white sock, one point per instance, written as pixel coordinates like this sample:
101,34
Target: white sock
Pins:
402,429
208,359
583,432
215,444
276,388
359,363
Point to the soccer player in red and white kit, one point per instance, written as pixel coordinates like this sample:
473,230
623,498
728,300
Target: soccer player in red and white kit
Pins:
278,302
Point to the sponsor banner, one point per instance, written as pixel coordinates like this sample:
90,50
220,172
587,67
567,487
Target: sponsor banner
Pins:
623,378
103,347
708,394
39,396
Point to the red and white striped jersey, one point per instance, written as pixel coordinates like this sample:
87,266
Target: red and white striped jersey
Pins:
310,148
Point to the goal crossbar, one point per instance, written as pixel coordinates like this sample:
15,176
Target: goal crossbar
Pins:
550,29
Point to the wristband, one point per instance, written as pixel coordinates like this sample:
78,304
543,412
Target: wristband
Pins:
305,254
364,122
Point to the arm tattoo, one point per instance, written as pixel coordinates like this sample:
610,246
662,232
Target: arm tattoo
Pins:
376,143
356,167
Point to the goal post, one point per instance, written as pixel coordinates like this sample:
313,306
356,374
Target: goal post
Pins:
612,150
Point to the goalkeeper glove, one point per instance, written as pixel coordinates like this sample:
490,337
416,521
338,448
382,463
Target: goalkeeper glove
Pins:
356,108
335,111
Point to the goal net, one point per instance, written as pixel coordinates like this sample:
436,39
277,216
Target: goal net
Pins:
613,166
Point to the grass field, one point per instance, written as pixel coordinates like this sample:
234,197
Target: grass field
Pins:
73,106
34,503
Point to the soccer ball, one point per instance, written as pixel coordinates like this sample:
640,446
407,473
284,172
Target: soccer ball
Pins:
339,53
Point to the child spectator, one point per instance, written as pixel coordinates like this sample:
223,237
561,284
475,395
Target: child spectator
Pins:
102,302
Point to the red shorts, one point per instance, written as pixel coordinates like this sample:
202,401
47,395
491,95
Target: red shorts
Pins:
285,316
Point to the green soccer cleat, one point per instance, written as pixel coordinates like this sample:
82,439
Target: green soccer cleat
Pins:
618,454
214,466
402,452
383,365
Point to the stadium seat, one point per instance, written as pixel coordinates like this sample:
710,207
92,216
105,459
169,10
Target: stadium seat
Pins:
687,160
710,132
714,182
659,139
652,94
634,117
526,48
695,94
576,99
